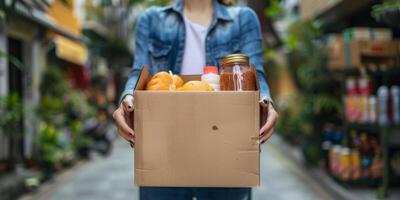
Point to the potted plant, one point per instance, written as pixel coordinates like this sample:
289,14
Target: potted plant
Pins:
388,12
80,142
317,103
11,115
50,150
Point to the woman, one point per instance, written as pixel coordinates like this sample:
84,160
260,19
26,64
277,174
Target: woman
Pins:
183,38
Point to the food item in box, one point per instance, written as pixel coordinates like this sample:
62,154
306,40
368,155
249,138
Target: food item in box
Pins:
178,81
164,81
211,77
196,86
160,81
236,73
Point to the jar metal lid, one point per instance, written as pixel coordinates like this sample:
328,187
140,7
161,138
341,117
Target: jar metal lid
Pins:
232,58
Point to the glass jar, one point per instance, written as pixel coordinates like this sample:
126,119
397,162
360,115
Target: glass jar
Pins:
236,73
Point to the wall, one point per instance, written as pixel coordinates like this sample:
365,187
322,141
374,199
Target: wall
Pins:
3,62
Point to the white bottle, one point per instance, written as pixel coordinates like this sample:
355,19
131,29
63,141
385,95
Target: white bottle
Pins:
383,95
372,109
395,93
211,77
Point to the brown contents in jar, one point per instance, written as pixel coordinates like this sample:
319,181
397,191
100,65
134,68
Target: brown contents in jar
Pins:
238,81
236,73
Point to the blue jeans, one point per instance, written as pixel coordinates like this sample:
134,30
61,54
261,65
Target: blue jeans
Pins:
179,193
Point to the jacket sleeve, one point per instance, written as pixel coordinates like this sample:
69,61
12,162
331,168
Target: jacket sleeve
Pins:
142,56
251,44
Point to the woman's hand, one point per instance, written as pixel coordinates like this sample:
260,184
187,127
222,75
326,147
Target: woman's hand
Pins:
268,117
123,117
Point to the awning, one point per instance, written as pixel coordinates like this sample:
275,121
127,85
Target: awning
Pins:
71,51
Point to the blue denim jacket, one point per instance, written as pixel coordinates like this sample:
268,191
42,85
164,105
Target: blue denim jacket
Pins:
160,40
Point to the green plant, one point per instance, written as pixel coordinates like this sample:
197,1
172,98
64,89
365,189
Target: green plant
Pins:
10,112
51,110
313,78
49,144
378,9
78,107
53,83
274,9
53,89
80,142
9,7
317,103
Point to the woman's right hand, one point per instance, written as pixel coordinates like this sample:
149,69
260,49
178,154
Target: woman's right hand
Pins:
123,117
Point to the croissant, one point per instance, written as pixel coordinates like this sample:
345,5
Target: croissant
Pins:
196,86
164,81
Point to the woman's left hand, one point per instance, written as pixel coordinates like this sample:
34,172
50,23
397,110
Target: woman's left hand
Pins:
268,117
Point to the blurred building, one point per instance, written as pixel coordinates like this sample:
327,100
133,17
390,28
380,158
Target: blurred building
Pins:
37,34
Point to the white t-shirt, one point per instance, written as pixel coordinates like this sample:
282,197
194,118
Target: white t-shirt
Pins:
194,56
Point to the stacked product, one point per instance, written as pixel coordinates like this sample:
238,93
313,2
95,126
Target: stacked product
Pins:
364,107
353,159
362,47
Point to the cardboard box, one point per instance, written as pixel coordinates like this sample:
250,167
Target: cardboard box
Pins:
196,139
362,53
397,43
336,53
367,33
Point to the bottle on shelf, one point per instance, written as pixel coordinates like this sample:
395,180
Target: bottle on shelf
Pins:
365,156
383,95
365,86
355,164
395,94
351,87
344,166
372,109
355,139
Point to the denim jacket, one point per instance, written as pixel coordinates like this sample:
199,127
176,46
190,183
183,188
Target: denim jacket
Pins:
160,40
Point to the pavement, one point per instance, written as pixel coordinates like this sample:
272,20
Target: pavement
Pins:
112,178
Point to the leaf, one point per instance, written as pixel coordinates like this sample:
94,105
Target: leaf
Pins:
274,9
13,60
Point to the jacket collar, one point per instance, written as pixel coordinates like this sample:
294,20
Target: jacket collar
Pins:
220,11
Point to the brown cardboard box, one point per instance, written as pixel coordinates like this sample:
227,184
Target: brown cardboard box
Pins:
363,52
398,53
336,53
196,139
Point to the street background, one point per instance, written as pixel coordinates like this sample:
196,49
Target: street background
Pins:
281,179
332,67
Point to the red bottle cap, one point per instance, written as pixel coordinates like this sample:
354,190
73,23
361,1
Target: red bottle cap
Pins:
210,69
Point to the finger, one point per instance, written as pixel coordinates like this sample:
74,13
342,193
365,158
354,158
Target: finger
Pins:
266,136
128,103
121,123
129,119
271,120
128,137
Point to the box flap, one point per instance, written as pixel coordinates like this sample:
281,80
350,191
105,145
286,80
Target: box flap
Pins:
142,80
